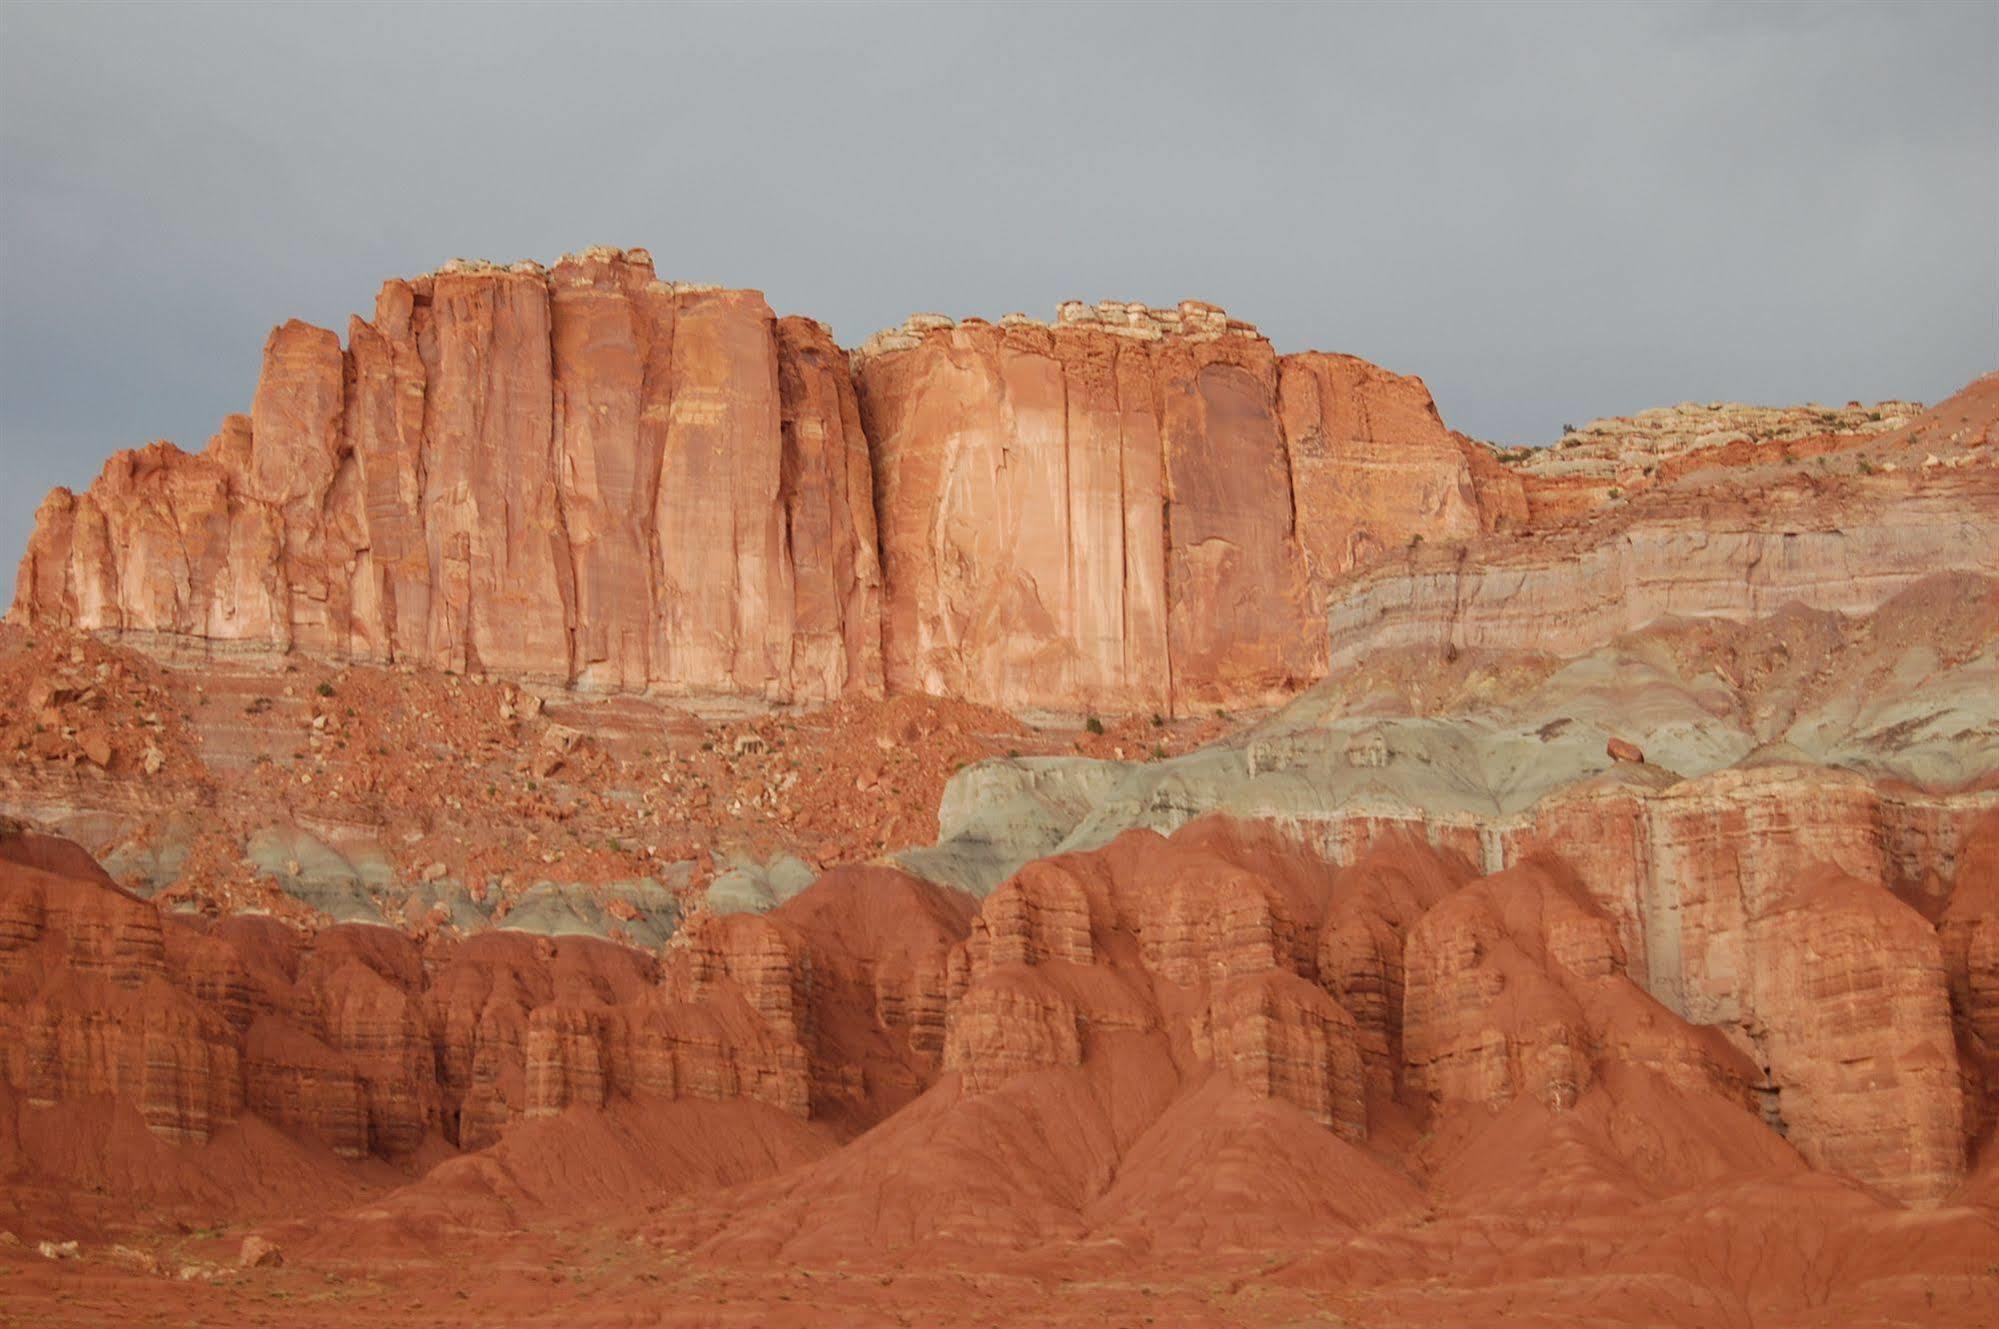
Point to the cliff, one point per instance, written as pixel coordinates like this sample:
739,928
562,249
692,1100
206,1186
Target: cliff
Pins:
583,475
588,476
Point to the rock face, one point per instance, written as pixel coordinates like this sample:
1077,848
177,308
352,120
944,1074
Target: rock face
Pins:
1196,1041
1517,986
358,1039
582,474
1853,1008
590,476
1135,509
1724,554
1792,864
96,1011
1207,1038
1251,959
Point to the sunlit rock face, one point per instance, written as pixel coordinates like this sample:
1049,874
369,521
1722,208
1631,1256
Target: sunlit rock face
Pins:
580,474
589,476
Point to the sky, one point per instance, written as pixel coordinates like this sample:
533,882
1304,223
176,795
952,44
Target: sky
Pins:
1550,212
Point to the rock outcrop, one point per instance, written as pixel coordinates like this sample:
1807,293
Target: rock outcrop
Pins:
582,474
1852,1016
1136,509
590,476
1803,781
357,1038
1517,987
1725,554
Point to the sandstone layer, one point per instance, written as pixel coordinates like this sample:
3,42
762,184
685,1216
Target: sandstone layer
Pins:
583,474
1137,509
364,1042
589,476
1699,554
1155,1056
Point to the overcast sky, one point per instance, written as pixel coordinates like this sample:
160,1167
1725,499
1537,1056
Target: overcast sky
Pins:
1550,212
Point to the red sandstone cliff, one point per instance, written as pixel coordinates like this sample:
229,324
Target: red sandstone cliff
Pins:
1136,509
589,476
584,474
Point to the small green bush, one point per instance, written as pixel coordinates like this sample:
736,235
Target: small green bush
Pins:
1094,725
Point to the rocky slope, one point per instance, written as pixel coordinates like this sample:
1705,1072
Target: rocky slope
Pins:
1176,1054
359,1039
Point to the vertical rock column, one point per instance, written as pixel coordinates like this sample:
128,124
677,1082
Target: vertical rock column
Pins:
612,348
501,586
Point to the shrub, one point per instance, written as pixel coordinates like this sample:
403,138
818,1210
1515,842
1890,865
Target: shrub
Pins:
324,689
1094,725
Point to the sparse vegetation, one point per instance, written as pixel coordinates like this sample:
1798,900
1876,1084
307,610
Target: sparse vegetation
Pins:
1094,725
324,689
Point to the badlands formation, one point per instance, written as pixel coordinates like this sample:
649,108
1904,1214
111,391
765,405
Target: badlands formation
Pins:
592,804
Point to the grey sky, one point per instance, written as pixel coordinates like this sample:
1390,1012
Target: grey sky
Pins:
1549,212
